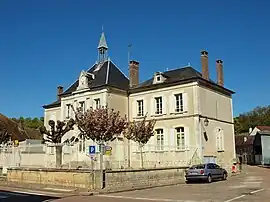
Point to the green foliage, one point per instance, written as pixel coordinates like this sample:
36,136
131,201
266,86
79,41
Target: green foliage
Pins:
34,123
255,117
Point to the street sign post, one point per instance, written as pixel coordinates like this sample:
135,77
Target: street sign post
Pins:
92,149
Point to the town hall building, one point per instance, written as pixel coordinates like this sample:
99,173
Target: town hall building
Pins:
194,114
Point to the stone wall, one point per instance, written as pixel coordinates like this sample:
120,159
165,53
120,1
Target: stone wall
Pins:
125,179
55,177
114,180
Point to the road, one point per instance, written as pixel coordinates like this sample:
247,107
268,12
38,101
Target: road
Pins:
7,196
253,186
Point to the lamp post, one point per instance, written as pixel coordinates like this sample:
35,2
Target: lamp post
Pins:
203,134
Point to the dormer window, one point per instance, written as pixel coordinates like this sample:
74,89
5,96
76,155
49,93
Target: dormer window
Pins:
159,78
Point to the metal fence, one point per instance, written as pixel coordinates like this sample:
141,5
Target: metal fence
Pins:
122,155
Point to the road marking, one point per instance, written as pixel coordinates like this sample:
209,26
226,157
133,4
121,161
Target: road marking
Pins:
238,197
58,189
256,191
34,193
146,199
235,198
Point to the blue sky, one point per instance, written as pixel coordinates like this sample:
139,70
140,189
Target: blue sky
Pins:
47,43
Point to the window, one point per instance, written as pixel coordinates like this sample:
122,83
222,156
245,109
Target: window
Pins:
158,105
180,137
179,105
160,139
97,103
158,78
82,146
140,108
68,111
219,140
82,106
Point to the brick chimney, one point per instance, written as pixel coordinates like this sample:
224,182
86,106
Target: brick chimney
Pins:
60,90
133,73
220,77
204,61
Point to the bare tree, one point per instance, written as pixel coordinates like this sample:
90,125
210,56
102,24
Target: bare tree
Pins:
140,132
100,125
55,134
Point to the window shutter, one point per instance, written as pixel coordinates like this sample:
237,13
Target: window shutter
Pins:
164,105
172,103
134,108
172,139
145,108
153,106
217,140
187,142
66,111
222,139
166,139
185,102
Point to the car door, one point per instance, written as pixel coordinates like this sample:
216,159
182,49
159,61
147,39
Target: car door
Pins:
210,169
218,171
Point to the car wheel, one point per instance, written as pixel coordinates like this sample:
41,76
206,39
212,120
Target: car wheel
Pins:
224,176
209,178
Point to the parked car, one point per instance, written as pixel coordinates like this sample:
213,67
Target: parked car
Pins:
206,172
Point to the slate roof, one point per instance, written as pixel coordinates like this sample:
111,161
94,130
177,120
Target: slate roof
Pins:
110,75
177,76
107,74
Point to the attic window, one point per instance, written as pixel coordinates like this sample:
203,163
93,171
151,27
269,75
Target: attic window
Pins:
159,78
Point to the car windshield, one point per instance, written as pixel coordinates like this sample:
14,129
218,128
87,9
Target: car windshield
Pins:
201,166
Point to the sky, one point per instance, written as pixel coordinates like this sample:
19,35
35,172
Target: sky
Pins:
44,44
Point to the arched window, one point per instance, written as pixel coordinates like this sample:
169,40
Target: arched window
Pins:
219,139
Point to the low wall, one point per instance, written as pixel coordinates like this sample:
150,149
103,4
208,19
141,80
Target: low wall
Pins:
56,177
114,180
125,179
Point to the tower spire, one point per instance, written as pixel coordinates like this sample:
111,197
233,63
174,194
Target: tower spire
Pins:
102,48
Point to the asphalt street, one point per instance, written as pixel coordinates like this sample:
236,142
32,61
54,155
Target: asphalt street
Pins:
252,186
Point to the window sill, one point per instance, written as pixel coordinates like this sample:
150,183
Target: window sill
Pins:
176,113
157,115
220,151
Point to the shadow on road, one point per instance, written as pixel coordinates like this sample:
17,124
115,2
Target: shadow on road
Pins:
8,196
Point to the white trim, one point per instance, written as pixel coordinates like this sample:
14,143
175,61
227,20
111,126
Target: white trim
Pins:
108,71
52,109
220,135
162,90
155,139
185,136
89,93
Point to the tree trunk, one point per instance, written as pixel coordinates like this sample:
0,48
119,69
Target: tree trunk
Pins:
141,152
129,164
58,150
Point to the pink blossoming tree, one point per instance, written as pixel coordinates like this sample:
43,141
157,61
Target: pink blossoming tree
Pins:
140,132
100,125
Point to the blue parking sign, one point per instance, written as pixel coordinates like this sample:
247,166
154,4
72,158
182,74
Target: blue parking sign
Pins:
92,149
